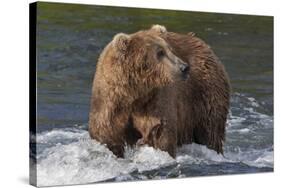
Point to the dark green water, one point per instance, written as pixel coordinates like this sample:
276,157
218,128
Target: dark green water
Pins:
69,41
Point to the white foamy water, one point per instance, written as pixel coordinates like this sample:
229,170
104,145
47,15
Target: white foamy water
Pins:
86,160
69,156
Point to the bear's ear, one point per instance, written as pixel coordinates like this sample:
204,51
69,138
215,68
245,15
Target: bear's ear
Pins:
121,41
159,28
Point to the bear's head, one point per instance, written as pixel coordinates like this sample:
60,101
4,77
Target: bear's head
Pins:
141,61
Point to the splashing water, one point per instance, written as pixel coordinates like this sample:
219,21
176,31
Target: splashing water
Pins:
69,156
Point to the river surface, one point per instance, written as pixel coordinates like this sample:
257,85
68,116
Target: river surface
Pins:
69,41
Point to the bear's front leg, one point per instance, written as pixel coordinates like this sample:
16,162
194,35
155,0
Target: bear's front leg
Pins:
117,150
109,131
110,136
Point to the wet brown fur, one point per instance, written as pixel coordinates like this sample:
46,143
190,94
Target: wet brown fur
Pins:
137,101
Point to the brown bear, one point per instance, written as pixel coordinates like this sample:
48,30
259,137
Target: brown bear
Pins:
159,88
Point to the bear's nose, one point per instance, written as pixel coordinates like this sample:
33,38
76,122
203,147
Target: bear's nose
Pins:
184,68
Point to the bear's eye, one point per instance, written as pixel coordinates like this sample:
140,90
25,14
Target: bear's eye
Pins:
160,54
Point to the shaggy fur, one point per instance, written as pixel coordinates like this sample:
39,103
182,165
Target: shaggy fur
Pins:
141,95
